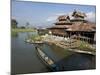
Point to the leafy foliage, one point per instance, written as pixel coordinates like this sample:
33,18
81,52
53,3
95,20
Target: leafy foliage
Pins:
36,38
14,23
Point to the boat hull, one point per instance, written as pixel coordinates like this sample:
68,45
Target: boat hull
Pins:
52,66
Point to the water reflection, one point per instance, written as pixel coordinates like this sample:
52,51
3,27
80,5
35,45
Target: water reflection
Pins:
68,60
77,61
14,34
24,58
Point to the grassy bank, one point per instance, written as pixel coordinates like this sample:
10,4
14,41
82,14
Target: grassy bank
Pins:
36,37
85,46
22,30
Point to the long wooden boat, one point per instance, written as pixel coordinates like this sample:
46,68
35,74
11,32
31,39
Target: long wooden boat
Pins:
47,60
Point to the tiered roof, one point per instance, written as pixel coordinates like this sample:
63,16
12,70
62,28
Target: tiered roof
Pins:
63,18
60,26
64,22
82,27
78,14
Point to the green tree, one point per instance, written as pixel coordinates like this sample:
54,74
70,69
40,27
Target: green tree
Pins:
14,23
22,27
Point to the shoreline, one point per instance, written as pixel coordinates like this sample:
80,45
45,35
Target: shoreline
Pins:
22,30
74,50
73,45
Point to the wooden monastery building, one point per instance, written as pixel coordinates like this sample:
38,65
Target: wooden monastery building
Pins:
77,27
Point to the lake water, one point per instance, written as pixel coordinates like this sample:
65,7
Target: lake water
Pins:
25,60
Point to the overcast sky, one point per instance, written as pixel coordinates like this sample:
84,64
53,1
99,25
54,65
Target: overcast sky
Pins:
45,14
